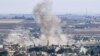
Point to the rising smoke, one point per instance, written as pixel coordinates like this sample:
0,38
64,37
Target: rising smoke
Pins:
51,32
50,25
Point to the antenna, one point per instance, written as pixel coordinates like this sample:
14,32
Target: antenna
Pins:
86,12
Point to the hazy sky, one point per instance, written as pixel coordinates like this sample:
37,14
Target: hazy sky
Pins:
59,6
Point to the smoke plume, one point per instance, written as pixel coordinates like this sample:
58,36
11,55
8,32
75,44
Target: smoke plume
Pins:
51,32
50,25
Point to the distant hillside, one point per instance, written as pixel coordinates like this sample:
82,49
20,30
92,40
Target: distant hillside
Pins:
31,16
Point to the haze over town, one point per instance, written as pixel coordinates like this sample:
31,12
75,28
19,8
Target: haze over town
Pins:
59,6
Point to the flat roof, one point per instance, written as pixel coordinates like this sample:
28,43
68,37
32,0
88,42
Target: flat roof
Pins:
11,20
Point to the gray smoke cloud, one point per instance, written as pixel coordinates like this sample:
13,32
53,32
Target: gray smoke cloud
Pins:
19,36
50,25
51,32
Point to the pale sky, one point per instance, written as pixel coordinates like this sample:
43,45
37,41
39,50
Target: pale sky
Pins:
59,6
